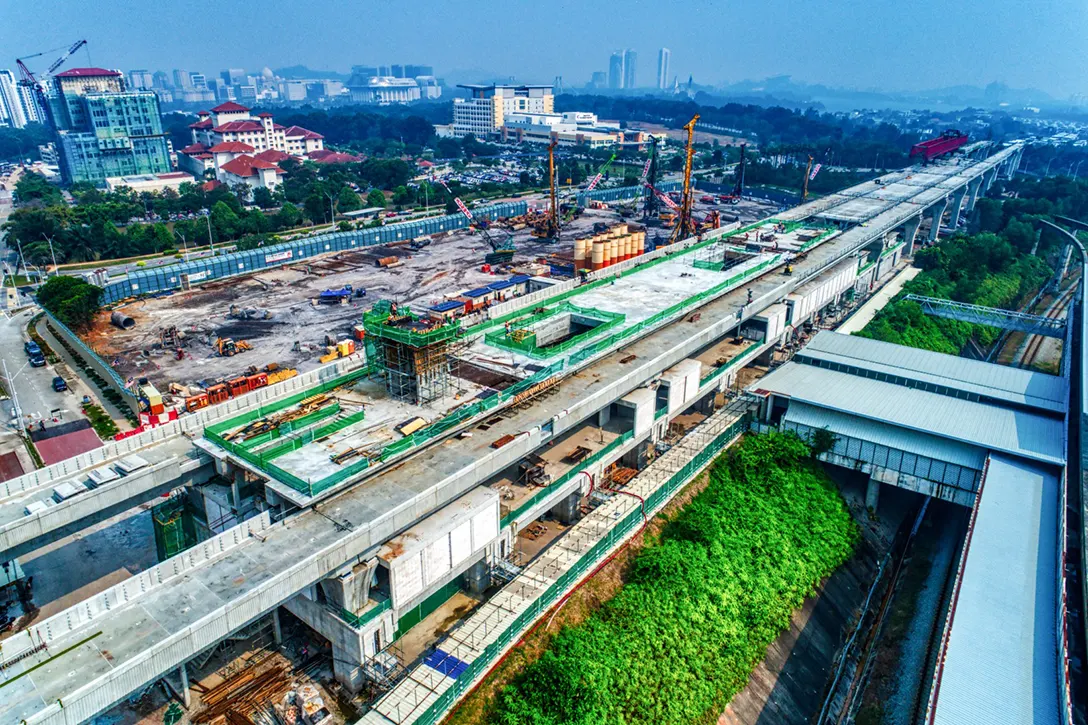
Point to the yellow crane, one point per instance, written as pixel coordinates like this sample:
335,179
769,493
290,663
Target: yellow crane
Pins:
548,227
685,225
808,171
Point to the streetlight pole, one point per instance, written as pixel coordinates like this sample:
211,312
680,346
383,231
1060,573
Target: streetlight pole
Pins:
184,245
211,243
1047,172
332,213
51,254
14,399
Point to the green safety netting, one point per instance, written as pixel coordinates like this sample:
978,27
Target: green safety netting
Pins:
376,323
479,666
558,483
359,620
527,344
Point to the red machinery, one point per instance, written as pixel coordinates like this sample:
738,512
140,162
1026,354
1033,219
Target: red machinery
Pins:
946,143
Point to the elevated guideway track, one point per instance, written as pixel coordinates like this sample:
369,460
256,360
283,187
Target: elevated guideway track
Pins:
75,665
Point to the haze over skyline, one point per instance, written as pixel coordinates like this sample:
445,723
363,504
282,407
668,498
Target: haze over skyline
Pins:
844,43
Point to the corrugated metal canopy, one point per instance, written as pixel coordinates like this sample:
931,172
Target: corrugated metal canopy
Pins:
1001,660
987,426
916,442
1024,387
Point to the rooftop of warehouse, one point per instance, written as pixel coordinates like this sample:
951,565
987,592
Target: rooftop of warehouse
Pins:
1001,657
1031,435
983,381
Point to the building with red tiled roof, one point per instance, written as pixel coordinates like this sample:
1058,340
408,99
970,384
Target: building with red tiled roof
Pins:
325,156
254,172
272,156
232,122
231,147
88,73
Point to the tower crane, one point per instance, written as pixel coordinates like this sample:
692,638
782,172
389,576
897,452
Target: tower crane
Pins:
808,175
27,79
649,178
685,225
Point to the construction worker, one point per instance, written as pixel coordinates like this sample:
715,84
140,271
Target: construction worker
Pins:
749,296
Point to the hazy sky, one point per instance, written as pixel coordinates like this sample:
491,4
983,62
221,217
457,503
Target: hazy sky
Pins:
892,44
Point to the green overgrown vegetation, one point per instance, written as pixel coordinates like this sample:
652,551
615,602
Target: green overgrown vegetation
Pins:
73,300
1002,263
701,605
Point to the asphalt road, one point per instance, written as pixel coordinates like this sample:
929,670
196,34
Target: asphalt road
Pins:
33,386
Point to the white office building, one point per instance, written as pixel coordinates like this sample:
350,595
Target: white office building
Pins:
663,57
483,113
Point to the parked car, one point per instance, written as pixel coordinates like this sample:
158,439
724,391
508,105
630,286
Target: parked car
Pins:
59,385
37,361
31,348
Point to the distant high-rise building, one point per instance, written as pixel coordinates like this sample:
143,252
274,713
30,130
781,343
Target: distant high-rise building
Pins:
234,76
13,106
385,70
105,130
159,79
182,79
140,80
414,71
198,80
599,79
663,56
396,71
615,71
630,59
366,71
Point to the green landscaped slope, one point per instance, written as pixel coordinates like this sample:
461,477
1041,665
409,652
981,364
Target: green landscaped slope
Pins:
983,269
701,605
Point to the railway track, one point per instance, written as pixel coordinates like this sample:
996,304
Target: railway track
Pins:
1035,342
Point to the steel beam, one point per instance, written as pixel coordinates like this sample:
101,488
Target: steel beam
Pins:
979,315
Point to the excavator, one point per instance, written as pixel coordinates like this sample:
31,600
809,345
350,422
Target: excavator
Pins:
226,347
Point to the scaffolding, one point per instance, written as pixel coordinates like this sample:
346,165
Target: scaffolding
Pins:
414,354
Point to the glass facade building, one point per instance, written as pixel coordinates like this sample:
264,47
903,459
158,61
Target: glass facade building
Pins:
105,130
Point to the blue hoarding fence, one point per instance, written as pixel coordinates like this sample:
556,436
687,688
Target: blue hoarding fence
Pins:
623,192
199,271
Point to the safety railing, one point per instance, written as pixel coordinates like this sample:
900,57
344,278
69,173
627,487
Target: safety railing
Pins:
564,479
358,621
375,323
527,345
479,666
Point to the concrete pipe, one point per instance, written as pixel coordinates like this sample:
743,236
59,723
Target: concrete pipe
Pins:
119,319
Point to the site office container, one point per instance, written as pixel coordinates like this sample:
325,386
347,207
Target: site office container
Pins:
238,386
257,381
196,402
218,393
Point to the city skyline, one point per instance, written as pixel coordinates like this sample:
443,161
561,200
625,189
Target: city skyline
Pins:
1039,51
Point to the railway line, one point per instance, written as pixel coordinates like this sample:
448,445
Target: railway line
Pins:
1030,352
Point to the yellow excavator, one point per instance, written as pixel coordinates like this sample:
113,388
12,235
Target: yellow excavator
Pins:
226,347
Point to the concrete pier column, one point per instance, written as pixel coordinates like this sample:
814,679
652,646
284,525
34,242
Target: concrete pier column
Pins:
567,509
347,668
938,212
186,696
988,179
604,416
910,231
277,630
973,187
957,207
872,494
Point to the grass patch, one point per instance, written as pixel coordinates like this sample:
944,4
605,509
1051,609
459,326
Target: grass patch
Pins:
101,421
699,605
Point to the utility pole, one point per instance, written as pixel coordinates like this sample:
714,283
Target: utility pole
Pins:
56,271
211,242
14,399
332,214
184,245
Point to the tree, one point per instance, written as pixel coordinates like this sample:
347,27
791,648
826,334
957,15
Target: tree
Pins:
448,148
316,208
224,220
73,300
401,196
289,216
32,187
263,198
347,200
375,199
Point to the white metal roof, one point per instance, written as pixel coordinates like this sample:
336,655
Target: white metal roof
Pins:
1001,660
916,442
987,426
1024,387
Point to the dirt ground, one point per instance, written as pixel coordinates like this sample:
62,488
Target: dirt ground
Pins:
285,327
677,134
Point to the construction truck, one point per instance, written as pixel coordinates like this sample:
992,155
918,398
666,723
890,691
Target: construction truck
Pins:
336,296
227,347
